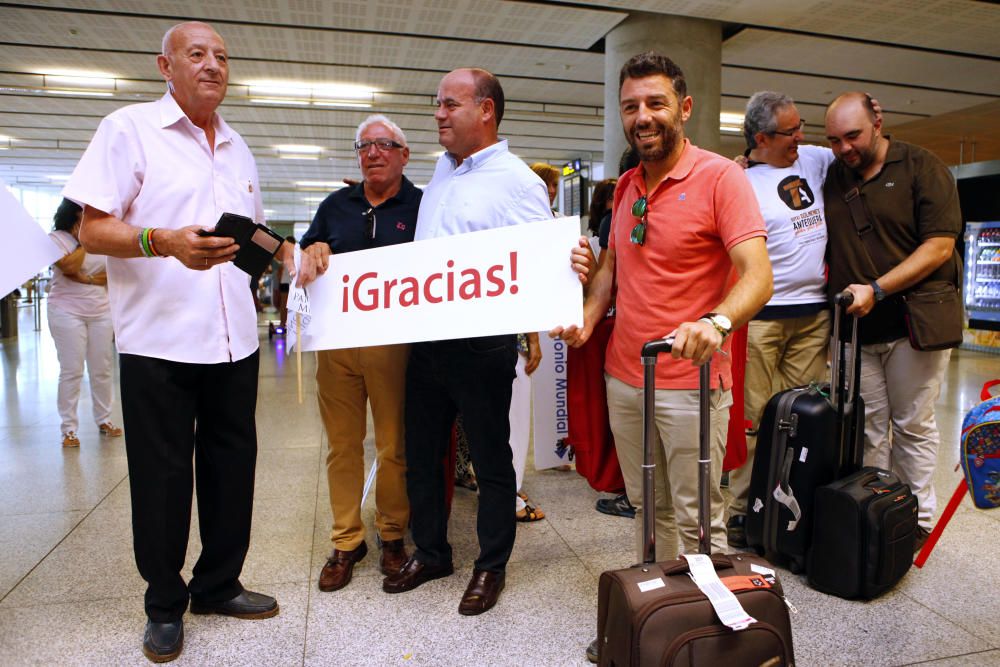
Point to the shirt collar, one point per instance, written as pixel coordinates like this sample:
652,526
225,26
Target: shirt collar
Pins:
679,171
171,113
405,191
896,153
479,157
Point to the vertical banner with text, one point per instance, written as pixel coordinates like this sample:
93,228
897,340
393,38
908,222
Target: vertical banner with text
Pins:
551,416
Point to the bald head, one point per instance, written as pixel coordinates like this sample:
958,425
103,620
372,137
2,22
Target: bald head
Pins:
853,102
855,131
170,38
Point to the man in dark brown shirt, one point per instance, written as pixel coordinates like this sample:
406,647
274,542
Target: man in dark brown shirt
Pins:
911,201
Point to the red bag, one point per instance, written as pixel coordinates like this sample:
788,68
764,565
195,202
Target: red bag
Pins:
736,441
589,428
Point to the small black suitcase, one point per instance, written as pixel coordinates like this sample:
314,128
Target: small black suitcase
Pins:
808,437
654,614
863,534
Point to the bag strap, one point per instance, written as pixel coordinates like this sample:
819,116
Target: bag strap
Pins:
985,395
864,226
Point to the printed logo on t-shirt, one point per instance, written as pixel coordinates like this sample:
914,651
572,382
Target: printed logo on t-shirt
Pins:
795,192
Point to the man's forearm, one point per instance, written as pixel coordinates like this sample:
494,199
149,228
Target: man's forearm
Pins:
928,256
598,291
103,234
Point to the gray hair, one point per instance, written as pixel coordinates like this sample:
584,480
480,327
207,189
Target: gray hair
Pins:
380,119
760,113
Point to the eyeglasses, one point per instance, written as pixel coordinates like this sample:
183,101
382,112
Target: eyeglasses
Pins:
369,223
381,144
791,132
639,210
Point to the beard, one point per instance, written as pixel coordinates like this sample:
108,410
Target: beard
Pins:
864,157
670,136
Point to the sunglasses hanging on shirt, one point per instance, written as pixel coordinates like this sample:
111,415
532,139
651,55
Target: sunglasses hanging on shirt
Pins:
639,210
369,223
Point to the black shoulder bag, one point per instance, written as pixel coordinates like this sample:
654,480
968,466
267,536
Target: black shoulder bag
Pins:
933,308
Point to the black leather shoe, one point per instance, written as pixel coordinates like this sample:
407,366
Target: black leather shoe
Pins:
592,652
736,533
413,574
247,605
162,642
617,506
920,539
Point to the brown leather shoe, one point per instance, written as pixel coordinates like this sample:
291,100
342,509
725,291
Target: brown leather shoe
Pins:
481,593
339,566
413,574
394,556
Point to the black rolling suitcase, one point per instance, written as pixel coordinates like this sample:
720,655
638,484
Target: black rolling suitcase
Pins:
808,437
863,534
656,613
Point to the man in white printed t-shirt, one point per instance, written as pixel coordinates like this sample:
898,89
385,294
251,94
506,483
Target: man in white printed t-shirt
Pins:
153,177
787,340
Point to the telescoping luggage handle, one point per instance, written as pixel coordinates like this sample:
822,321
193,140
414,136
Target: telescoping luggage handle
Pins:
650,351
702,570
839,393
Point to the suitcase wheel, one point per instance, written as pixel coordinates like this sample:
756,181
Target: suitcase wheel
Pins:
796,566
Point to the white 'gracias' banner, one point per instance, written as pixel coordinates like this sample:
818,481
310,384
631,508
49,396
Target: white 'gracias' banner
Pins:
509,280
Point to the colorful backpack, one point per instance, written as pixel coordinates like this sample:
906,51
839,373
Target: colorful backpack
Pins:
981,449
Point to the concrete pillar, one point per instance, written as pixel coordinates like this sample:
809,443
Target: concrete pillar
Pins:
695,45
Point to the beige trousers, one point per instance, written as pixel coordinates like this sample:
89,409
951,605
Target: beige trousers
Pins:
676,460
900,386
781,354
347,380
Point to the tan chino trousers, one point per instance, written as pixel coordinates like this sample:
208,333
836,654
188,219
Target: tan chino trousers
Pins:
676,458
347,380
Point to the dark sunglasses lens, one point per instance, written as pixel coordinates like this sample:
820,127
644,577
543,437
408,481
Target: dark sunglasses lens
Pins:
639,207
638,235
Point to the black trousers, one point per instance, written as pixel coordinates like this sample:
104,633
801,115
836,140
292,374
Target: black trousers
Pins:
472,376
180,418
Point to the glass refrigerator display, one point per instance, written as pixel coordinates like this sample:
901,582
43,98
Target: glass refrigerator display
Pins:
982,286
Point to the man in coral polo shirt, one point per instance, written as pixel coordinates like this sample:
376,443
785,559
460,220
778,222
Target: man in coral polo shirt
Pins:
688,247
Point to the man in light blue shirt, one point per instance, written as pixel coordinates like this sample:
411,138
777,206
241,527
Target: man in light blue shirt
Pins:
478,184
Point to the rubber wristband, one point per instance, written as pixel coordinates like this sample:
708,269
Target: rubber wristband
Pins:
152,246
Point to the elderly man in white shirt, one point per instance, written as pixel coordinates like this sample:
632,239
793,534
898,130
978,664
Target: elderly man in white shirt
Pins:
477,185
153,177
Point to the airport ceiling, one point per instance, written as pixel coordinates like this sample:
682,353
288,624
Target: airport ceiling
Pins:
934,65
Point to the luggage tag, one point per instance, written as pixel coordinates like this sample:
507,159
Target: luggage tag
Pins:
789,501
727,607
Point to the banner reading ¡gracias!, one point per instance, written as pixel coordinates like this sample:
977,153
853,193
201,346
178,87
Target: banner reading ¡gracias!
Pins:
510,280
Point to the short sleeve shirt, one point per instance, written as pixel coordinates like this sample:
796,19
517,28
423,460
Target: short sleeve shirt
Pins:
340,219
791,201
75,298
150,166
698,213
912,199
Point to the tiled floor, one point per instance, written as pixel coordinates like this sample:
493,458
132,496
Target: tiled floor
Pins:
70,595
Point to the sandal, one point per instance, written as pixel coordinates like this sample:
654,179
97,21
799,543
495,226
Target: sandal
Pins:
529,514
467,482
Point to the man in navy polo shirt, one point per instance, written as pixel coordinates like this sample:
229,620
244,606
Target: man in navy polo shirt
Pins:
379,211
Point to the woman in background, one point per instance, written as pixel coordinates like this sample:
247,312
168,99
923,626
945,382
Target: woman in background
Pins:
80,322
599,219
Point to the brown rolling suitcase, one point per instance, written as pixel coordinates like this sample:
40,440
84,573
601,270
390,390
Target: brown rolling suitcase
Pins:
656,614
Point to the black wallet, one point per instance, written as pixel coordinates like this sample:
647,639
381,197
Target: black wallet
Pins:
257,243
